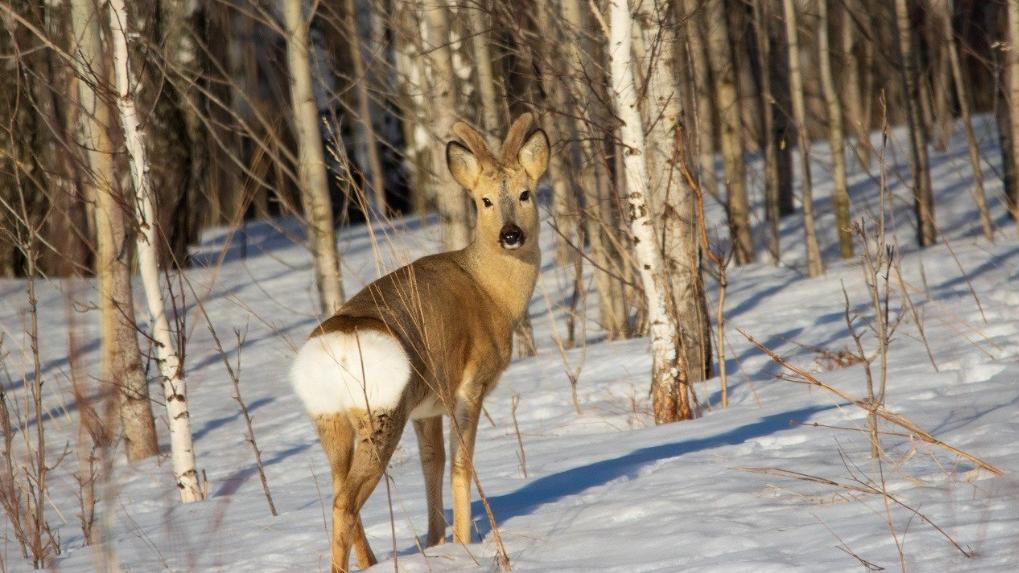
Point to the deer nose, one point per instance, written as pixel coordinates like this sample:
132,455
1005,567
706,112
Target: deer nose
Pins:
511,236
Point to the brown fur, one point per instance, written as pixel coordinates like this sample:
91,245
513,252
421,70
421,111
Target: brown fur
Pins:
454,314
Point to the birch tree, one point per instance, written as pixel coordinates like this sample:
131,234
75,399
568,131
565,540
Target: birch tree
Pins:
452,204
853,90
365,129
836,134
770,136
121,363
593,174
669,384
311,167
945,12
1012,101
704,117
720,58
671,197
815,266
170,368
923,197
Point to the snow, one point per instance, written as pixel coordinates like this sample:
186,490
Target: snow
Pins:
605,489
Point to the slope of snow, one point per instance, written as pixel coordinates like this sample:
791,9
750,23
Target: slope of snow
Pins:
604,489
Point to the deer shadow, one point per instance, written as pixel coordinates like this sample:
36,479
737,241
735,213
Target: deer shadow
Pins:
554,487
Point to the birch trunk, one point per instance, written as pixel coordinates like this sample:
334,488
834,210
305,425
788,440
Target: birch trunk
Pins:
720,59
815,266
311,168
946,9
121,357
671,197
853,91
365,128
411,73
941,76
450,200
564,203
170,367
704,116
836,135
1012,101
922,194
669,385
594,178
770,140
483,70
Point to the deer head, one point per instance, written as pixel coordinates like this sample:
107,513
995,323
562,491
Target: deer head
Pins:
502,188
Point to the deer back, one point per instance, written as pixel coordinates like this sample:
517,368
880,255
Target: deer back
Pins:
447,323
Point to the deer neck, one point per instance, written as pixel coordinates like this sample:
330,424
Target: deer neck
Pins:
507,276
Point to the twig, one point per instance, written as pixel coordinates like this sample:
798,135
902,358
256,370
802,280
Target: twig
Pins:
235,377
520,439
880,411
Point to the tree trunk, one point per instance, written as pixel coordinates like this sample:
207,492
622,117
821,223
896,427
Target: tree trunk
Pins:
1012,101
480,41
594,179
451,201
669,386
166,98
1003,120
121,356
364,128
410,69
720,59
311,168
853,91
704,117
922,193
147,241
671,197
939,80
945,11
770,141
836,135
815,266
739,16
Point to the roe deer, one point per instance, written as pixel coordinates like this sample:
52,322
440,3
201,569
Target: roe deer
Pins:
428,339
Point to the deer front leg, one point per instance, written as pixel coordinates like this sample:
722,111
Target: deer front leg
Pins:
433,465
462,433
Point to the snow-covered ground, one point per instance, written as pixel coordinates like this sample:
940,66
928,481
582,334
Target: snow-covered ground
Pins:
603,490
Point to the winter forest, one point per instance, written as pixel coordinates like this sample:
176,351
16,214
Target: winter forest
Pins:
725,285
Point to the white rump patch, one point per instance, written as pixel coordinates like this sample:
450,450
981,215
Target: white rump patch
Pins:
335,372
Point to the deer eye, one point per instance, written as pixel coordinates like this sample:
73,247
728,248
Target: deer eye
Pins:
525,196
487,202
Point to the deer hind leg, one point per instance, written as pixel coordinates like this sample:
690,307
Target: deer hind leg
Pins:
433,465
462,433
337,437
377,437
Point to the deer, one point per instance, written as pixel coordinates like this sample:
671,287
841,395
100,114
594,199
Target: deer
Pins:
428,340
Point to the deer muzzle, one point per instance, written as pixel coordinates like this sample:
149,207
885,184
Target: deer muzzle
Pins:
511,236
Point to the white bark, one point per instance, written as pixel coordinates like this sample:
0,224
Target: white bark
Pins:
836,134
452,202
311,168
121,356
667,369
815,266
672,198
174,384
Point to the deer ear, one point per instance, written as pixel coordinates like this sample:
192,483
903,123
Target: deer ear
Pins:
462,164
533,155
